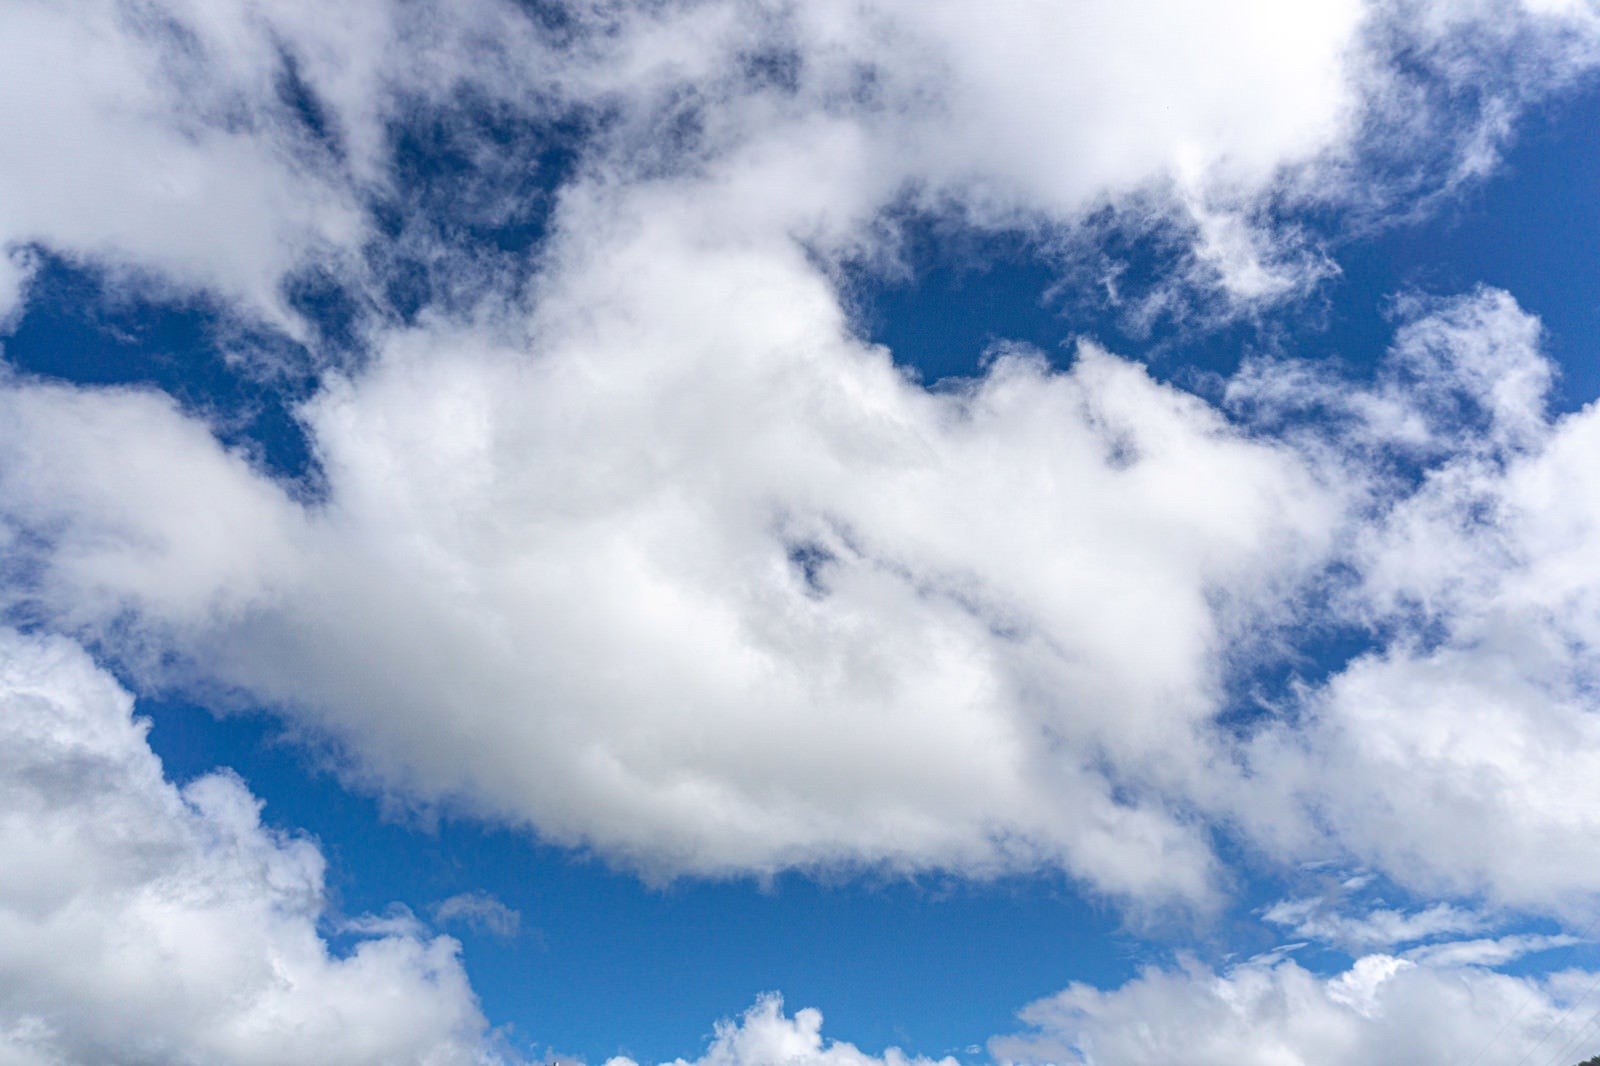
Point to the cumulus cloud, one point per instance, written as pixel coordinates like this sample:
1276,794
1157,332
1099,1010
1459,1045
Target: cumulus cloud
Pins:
1211,128
141,922
742,597
735,607
1457,757
665,562
660,559
764,1034
1381,1010
226,146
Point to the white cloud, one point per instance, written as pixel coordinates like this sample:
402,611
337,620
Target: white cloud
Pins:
764,1035
140,922
1382,1010
579,607
16,267
669,565
161,139
1207,124
1380,927
706,586
1459,756
1489,951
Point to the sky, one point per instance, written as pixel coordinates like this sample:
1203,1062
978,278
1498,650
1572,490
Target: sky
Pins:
855,533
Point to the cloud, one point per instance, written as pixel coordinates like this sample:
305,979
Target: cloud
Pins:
655,556
1214,131
231,147
1456,757
709,602
144,922
598,582
1379,927
1495,951
663,561
1382,1010
219,147
764,1034
16,267
480,911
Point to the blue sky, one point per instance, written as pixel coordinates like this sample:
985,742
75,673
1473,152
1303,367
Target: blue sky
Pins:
1045,534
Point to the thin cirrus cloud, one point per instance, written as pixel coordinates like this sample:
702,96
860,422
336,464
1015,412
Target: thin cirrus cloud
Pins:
656,556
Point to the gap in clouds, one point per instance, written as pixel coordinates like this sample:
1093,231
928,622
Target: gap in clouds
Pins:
955,290
961,289
959,294
606,965
91,326
463,217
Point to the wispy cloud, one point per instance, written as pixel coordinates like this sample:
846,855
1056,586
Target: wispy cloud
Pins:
480,911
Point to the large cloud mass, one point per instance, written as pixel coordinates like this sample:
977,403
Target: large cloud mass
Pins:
632,539
668,563
710,611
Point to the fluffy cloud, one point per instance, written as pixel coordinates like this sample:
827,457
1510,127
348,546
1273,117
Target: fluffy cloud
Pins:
704,584
721,607
664,562
1210,128
140,922
224,146
1382,1010
764,1035
1459,756
661,560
